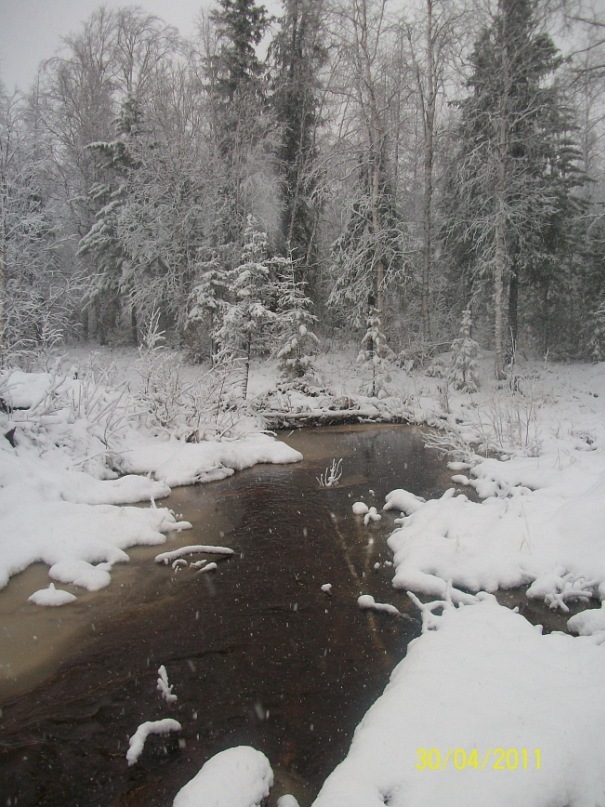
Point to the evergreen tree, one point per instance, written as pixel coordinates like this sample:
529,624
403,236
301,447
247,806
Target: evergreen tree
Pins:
376,356
103,242
510,205
299,53
463,369
240,120
208,291
297,342
251,310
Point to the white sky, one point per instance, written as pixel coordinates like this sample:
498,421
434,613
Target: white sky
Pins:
30,30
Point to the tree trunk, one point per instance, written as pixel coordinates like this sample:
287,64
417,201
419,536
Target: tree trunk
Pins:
3,273
427,217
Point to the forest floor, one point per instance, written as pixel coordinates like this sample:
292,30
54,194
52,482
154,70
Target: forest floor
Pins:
485,708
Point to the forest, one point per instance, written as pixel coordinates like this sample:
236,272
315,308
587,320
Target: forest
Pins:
403,175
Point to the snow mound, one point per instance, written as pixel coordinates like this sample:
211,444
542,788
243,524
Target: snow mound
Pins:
237,777
51,596
360,508
81,573
403,500
588,622
504,686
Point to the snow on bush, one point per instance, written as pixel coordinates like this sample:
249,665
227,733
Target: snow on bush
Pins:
237,777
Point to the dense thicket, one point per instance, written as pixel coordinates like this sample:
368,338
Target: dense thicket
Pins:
397,176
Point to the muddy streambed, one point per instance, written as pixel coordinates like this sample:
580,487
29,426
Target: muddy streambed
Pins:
256,651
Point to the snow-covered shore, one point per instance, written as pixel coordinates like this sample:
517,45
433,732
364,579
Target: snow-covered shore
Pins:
74,452
484,709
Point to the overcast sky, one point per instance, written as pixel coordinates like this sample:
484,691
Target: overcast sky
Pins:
31,30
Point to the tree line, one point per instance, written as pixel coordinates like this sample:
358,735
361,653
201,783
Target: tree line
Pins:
406,177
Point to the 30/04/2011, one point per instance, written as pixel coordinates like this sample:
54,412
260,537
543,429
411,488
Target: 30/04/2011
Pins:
496,759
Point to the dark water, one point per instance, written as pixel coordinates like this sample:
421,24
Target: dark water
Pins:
258,654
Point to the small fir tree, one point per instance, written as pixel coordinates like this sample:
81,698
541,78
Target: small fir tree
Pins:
375,355
596,345
463,371
297,342
245,318
205,301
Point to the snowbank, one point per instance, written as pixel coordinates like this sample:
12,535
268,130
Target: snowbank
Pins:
72,453
237,777
486,711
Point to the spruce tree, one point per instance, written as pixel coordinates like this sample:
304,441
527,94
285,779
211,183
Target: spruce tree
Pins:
463,368
510,204
298,53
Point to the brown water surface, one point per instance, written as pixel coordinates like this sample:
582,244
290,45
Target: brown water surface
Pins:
258,654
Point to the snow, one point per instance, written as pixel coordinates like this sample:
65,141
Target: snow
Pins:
484,679
164,687
80,450
166,557
136,743
367,602
526,508
51,596
360,508
237,777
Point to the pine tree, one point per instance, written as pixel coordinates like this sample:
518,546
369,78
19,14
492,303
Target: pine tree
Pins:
298,54
204,305
251,310
103,242
511,200
376,356
463,369
297,342
240,119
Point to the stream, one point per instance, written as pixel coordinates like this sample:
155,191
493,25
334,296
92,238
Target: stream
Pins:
257,652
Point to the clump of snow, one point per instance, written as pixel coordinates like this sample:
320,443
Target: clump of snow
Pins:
81,573
371,516
360,508
367,602
589,623
287,801
237,777
164,687
483,679
403,500
327,588
209,567
137,741
51,596
167,557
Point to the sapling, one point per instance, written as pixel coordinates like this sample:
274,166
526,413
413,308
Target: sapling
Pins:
463,369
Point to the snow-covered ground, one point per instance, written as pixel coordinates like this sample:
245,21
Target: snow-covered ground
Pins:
484,709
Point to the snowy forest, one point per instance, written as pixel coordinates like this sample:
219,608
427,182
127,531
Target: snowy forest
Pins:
401,175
